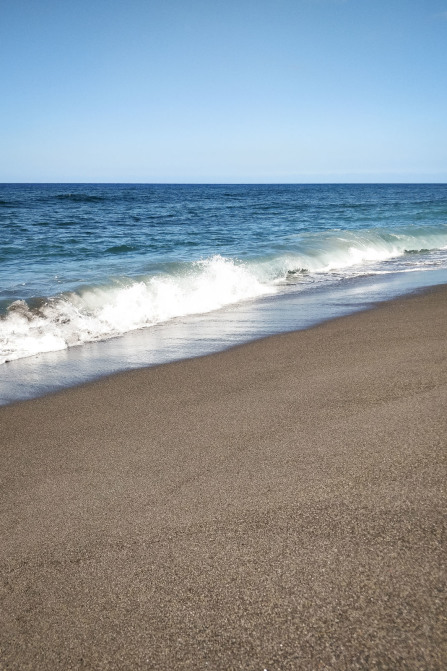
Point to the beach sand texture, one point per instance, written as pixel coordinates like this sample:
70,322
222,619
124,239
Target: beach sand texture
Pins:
280,505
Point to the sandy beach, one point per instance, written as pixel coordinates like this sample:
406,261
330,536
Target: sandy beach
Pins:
280,505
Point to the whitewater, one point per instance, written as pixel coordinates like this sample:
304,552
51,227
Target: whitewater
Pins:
87,263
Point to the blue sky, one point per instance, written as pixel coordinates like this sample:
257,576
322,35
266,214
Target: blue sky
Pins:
203,91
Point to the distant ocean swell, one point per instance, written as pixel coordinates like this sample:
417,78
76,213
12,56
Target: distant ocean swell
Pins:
92,313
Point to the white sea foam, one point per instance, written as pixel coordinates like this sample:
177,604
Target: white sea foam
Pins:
100,312
340,250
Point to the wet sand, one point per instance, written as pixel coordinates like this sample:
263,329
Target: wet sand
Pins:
278,506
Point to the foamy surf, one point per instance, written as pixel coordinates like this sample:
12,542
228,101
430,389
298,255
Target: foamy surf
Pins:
98,312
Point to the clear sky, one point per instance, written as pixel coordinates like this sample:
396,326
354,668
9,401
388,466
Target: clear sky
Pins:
223,91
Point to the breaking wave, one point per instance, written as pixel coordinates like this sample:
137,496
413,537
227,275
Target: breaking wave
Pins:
98,312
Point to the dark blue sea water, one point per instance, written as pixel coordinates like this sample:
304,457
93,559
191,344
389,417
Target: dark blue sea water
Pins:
96,277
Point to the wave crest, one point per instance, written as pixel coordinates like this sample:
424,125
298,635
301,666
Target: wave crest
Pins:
97,313
100,312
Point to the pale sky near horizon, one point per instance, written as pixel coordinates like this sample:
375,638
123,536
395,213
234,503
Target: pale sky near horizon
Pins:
203,91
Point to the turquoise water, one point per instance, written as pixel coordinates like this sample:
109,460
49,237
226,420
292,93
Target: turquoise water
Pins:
84,264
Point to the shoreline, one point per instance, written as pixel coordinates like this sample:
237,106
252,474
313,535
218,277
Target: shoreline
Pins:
203,334
279,504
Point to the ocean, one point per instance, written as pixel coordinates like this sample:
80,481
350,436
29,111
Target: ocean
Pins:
98,278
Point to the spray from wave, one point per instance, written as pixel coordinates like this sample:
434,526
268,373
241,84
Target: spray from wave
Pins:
99,312
339,250
96,313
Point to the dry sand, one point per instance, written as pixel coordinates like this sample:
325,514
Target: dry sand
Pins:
280,505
